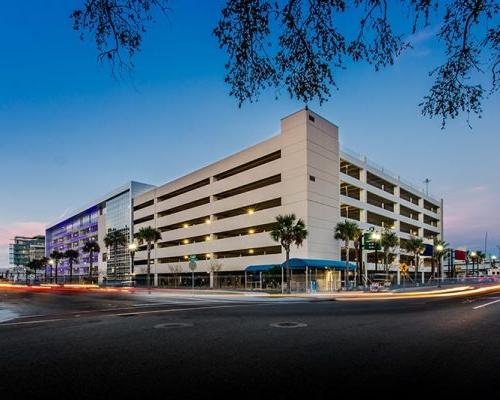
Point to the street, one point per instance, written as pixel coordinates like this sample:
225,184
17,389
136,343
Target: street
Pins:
85,345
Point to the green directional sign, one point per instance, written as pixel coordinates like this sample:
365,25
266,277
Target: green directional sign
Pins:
369,243
192,263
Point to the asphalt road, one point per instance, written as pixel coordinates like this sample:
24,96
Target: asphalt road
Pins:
83,346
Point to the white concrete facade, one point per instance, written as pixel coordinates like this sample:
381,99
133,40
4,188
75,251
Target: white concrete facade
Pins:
223,212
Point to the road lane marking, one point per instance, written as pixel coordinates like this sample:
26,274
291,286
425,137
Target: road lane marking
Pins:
288,325
40,321
486,304
136,312
170,325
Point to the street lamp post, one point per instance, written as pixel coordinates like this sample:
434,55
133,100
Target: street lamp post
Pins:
132,248
473,256
376,239
51,263
440,249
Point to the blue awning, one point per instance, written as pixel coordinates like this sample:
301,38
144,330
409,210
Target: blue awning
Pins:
302,263
261,268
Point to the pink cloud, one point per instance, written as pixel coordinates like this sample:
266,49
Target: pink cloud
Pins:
8,231
469,213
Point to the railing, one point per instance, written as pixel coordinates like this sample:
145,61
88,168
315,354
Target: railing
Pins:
386,171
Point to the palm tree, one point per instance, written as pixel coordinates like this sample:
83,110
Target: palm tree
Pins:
43,265
27,270
358,243
438,250
40,263
287,230
480,256
347,231
113,240
72,256
91,247
388,241
414,246
57,256
149,236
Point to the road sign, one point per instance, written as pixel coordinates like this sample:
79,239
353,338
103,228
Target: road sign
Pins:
192,263
369,243
192,267
403,268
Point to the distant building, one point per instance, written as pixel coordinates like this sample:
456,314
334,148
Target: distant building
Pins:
24,249
92,222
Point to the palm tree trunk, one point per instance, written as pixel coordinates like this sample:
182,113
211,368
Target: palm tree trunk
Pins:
289,288
90,267
416,268
71,272
358,270
432,266
346,273
148,277
57,265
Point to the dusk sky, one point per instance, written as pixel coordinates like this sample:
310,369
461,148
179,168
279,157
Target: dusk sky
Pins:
71,133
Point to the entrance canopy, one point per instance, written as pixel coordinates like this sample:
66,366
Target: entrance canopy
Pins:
261,268
302,263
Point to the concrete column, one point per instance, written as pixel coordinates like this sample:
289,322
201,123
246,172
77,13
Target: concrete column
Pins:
363,195
282,281
211,279
155,280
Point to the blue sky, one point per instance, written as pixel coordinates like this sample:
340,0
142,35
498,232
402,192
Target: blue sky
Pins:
70,132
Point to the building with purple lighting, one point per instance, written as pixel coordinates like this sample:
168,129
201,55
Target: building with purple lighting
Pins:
92,222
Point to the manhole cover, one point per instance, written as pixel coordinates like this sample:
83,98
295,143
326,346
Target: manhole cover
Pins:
289,325
170,325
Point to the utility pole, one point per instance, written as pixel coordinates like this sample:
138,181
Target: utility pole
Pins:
486,244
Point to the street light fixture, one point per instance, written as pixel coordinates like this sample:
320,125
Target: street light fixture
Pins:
51,263
440,249
132,248
474,256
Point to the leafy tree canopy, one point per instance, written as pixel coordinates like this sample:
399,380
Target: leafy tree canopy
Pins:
299,45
